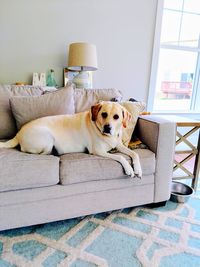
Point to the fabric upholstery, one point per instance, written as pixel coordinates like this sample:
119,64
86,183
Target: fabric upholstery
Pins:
26,109
7,122
22,170
148,130
60,191
30,192
41,205
91,167
159,134
85,98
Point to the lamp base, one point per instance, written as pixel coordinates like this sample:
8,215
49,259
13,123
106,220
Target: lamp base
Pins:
83,79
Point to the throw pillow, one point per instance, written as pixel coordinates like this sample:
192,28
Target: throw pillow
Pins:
58,102
7,122
135,108
85,98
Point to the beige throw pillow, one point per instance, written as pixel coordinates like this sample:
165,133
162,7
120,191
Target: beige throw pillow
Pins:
85,98
26,109
135,108
7,122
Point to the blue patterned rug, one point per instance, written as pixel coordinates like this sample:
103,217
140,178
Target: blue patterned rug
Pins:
159,237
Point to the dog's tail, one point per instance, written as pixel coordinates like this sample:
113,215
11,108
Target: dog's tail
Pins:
10,144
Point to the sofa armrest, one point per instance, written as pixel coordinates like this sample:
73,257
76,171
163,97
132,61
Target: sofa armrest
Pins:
159,135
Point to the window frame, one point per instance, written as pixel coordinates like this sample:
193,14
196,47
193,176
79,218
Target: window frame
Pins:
195,99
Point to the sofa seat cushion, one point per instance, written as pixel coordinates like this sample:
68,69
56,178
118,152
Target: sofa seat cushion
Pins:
22,170
81,167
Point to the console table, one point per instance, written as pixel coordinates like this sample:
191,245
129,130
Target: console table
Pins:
190,127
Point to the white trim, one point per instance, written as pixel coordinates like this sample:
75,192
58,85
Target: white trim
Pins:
181,22
175,112
195,101
155,55
177,47
183,11
193,115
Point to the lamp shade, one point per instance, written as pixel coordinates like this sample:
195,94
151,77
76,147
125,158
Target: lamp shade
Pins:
82,56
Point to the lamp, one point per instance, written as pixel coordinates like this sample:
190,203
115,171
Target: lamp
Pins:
83,58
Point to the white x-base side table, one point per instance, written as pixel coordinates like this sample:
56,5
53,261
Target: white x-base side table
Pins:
191,128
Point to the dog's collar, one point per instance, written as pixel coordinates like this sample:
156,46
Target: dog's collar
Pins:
107,140
103,133
99,130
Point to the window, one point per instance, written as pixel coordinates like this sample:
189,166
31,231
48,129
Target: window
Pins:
175,74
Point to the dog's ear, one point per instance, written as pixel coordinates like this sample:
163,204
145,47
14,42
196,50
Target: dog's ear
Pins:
126,117
95,110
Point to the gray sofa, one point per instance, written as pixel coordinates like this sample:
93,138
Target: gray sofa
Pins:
36,189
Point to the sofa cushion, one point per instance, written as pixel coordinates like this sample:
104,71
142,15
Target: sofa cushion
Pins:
58,102
81,167
22,170
85,98
7,122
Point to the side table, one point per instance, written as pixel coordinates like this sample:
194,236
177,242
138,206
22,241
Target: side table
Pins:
190,127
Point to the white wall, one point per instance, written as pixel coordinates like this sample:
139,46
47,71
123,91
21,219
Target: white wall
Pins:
35,34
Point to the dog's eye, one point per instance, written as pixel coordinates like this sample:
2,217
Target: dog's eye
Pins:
116,117
104,115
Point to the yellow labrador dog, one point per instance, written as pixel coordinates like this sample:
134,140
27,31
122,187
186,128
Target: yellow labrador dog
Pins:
98,131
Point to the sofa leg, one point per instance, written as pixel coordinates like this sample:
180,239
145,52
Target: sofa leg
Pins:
157,205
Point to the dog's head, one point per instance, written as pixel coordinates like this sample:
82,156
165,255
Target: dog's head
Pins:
109,117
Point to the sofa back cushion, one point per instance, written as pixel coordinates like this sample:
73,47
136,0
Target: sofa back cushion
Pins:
7,122
58,102
85,98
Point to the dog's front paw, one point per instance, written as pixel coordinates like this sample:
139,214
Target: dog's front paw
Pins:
129,170
138,170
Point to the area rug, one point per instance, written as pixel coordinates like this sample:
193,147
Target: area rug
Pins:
134,237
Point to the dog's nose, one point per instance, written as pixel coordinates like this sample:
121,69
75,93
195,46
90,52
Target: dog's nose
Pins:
107,128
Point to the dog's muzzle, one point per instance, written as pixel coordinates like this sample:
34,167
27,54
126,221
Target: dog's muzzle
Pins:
107,129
